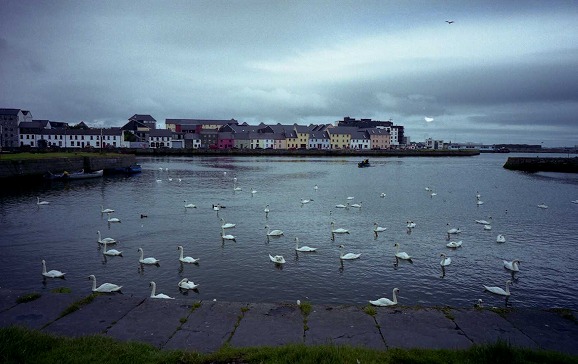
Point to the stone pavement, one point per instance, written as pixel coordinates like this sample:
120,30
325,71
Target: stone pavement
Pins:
206,326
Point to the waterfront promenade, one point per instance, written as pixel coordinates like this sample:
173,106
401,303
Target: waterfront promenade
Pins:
206,326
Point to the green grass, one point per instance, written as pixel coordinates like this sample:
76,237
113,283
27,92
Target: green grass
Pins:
78,304
565,313
61,290
28,297
370,310
19,345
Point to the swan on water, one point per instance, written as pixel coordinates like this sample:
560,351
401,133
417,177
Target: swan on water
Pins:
410,224
348,256
382,302
105,240
433,194
112,219
253,191
483,222
186,284
159,295
315,187
401,255
513,265
445,260
275,232
454,230
105,211
454,244
356,205
227,236
428,189
189,205
52,273
487,227
339,230
500,238
575,201
350,198
342,206
303,248
479,202
39,202
149,260
543,206
105,287
382,194
498,290
304,201
277,259
266,211
110,252
377,228
226,225
189,260
235,188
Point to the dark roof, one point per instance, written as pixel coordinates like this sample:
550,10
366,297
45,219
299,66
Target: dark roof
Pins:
318,135
200,122
142,117
160,133
9,111
133,125
375,131
342,130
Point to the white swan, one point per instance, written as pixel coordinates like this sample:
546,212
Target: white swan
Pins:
377,228
574,201
342,206
305,200
110,252
159,295
266,211
275,232
433,194
454,231
277,259
445,260
339,230
350,198
52,273
105,287
189,205
189,260
479,202
454,244
498,290
303,248
235,188
386,301
513,265
112,219
186,284
227,225
382,194
315,187
227,236
428,189
38,202
357,205
500,238
348,256
487,227
253,191
543,206
149,260
483,222
105,211
401,255
410,224
105,240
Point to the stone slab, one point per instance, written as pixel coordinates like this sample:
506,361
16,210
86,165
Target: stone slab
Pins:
549,330
207,328
487,327
419,328
96,317
342,325
35,314
267,324
8,298
153,322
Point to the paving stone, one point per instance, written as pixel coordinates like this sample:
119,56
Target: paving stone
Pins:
486,327
549,330
267,324
153,322
419,328
8,298
96,317
342,325
207,328
35,314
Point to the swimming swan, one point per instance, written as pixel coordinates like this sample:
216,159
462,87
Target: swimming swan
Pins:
38,202
52,273
401,255
186,284
277,259
445,260
112,219
110,252
382,302
227,225
105,211
339,230
105,287
303,248
513,265
227,236
377,228
189,205
275,232
500,238
498,290
348,256
149,260
189,260
105,240
454,244
160,295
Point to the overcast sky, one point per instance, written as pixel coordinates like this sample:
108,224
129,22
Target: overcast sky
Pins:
504,71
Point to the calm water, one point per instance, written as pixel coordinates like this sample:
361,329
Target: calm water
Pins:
64,233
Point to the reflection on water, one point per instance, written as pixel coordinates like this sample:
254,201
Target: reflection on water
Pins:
153,217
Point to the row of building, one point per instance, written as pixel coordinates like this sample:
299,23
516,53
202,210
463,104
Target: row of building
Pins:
18,129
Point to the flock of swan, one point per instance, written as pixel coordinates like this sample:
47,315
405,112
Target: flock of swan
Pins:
512,266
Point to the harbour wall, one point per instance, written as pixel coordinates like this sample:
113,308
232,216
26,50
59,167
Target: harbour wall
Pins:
565,165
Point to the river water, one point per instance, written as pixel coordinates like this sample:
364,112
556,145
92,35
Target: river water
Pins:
64,233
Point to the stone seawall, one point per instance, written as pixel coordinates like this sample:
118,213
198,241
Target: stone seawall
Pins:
565,165
32,168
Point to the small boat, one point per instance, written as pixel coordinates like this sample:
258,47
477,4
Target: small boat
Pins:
83,175
132,169
364,163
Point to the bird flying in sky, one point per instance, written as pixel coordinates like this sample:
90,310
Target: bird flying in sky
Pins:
449,21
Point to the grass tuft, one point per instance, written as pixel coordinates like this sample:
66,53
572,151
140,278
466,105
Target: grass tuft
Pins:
565,313
28,297
78,304
370,310
61,290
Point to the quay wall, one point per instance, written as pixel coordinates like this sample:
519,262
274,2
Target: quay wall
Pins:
536,164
